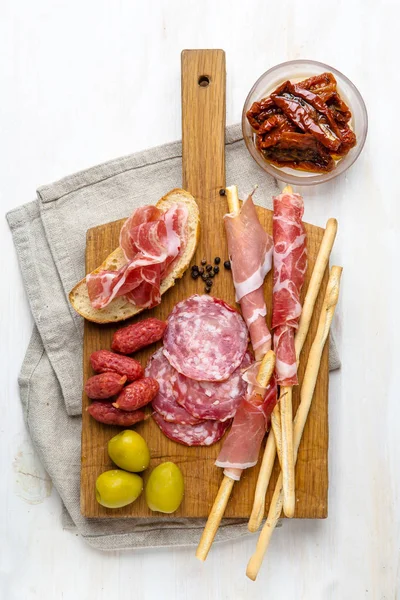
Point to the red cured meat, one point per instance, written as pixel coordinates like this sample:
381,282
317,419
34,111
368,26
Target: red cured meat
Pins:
104,412
212,400
131,235
104,360
137,394
203,434
151,240
285,352
105,385
165,402
138,335
290,264
250,252
242,445
205,339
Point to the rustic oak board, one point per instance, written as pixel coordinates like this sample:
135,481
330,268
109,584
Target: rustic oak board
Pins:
202,478
203,117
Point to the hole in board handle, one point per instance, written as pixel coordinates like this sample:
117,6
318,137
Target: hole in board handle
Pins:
204,80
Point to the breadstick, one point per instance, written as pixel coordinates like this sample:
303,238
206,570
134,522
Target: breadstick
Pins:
301,334
214,518
267,464
232,198
287,452
306,396
314,286
217,511
276,426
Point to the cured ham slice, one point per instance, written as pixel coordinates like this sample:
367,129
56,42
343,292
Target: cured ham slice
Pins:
206,339
205,433
165,403
290,264
242,446
212,400
250,252
151,240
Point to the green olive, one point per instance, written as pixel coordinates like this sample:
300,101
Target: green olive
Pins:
164,488
129,451
116,488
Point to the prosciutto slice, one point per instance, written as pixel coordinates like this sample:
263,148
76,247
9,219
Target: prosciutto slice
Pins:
150,240
250,252
290,264
242,445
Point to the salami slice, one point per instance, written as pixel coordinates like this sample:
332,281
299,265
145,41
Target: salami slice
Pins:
203,434
165,403
212,400
205,339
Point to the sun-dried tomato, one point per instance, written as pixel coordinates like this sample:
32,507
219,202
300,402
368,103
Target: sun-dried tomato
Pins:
299,151
303,125
320,84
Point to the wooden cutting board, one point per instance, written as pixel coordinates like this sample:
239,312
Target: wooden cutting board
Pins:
203,163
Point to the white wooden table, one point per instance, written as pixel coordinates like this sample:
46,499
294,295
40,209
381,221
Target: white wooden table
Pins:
83,82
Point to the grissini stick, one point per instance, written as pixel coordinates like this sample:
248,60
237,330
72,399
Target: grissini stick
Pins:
301,334
306,395
276,426
314,286
217,511
287,452
232,197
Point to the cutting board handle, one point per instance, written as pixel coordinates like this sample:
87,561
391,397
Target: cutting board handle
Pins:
203,123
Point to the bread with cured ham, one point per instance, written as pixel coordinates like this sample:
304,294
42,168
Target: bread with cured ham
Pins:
154,255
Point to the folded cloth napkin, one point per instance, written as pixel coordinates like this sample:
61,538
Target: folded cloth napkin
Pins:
49,236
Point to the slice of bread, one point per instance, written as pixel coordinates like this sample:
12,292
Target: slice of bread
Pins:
120,309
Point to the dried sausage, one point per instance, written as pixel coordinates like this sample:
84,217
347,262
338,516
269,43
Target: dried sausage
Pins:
137,394
165,400
104,360
105,385
203,434
134,337
205,339
212,400
104,412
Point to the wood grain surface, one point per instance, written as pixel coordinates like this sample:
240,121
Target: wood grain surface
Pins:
203,163
202,478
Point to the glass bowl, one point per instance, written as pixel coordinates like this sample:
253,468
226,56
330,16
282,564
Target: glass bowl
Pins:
296,70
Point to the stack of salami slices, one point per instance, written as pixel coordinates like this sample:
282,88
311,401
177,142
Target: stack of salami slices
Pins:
199,371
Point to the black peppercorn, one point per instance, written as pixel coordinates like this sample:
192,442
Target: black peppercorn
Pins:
195,268
208,267
204,276
203,261
222,192
216,270
209,282
194,274
207,289
201,270
227,264
211,274
217,260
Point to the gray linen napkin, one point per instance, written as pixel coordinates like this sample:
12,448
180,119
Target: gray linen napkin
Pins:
49,235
